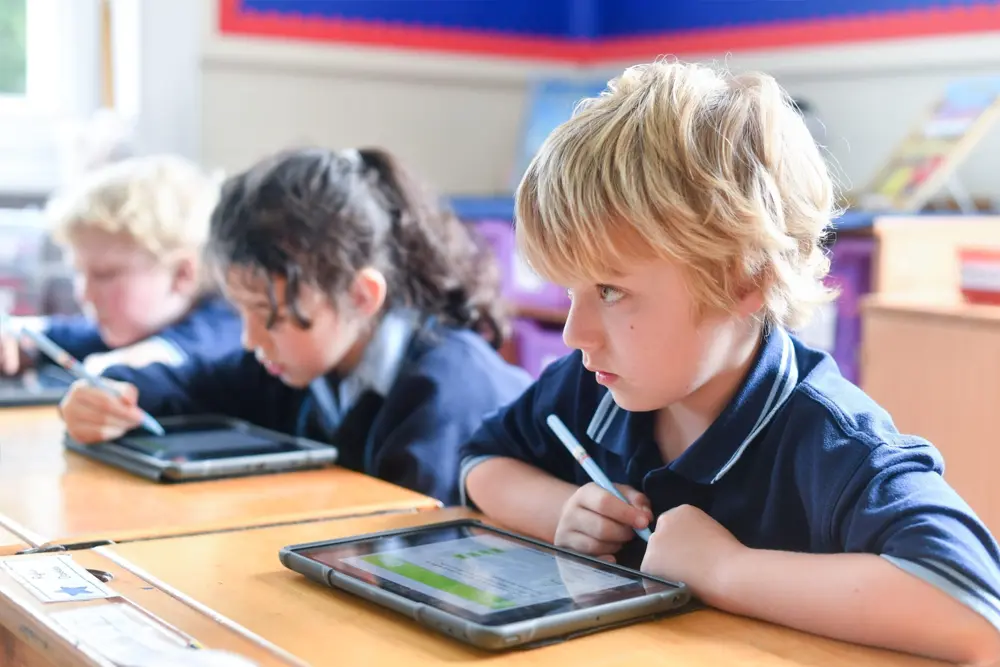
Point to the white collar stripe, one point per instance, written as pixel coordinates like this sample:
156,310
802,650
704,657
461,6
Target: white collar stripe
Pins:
788,378
598,419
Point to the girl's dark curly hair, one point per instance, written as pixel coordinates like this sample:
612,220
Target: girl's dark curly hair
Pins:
317,217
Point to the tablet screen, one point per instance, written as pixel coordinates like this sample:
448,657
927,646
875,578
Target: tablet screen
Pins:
206,444
485,576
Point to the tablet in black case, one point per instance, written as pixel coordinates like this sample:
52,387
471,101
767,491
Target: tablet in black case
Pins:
207,446
485,586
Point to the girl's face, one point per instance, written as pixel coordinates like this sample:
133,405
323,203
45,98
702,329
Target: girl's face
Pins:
335,340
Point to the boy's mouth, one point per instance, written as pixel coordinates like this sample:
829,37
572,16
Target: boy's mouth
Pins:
605,378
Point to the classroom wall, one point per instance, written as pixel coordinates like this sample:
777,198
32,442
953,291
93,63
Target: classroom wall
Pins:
456,115
455,118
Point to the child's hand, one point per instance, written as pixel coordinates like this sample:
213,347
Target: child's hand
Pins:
594,522
13,359
691,547
94,415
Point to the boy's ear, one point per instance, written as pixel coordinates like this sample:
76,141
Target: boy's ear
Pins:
368,292
186,278
749,299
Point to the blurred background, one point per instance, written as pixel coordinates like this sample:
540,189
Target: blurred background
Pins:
902,95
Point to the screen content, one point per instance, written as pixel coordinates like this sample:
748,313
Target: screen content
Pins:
473,571
199,446
487,573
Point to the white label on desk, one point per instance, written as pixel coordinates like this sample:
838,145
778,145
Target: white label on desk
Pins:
128,637
122,634
56,579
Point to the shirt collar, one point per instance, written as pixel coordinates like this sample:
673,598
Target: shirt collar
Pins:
382,359
770,382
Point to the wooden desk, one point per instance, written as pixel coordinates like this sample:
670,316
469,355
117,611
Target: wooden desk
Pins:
58,496
241,578
933,362
28,637
10,542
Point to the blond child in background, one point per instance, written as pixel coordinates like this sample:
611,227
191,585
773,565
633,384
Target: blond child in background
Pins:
134,231
684,210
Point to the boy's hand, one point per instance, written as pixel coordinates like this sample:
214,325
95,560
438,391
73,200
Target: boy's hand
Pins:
691,547
594,522
95,415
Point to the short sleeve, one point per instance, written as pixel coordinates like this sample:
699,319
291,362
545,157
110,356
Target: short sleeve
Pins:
519,431
899,506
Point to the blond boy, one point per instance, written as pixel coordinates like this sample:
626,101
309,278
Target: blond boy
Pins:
684,210
134,231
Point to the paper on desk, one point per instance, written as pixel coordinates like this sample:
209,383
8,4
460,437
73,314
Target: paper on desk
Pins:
56,578
130,638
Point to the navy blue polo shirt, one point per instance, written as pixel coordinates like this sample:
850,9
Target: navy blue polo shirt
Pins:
211,329
800,460
419,392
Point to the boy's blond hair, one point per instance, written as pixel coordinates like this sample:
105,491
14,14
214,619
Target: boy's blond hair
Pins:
692,164
163,202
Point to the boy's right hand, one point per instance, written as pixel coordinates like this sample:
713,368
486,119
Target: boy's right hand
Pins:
594,522
94,415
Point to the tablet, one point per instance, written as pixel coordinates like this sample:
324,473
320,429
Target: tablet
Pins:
45,385
207,446
204,442
485,586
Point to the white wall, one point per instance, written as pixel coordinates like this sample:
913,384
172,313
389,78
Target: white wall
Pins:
167,92
456,120
871,95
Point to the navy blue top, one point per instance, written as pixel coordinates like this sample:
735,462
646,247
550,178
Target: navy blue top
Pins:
801,460
416,396
211,329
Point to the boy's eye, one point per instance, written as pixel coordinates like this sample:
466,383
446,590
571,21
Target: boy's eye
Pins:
610,294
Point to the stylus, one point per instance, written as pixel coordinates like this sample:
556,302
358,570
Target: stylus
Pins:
66,360
592,469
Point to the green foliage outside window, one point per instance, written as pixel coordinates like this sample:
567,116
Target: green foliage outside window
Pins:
13,47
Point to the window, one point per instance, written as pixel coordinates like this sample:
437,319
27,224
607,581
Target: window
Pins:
49,78
13,47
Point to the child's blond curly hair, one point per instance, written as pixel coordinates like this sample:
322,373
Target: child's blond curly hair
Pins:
690,163
163,202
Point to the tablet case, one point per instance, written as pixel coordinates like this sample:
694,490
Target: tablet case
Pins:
119,453
522,634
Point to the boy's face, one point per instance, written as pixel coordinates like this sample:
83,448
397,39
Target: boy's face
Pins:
288,351
124,288
642,333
